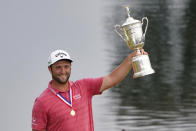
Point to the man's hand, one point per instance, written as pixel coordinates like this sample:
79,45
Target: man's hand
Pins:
136,53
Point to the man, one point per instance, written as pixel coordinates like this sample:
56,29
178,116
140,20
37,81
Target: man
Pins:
67,105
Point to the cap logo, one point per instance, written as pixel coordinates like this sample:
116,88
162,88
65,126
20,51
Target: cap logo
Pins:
61,54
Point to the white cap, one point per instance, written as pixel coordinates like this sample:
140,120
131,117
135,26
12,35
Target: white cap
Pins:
58,55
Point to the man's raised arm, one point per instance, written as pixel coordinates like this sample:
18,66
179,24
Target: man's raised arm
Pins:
120,72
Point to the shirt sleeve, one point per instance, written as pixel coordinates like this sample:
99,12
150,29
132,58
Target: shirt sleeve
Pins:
93,85
39,116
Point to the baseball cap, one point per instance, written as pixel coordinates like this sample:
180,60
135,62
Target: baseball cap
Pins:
58,55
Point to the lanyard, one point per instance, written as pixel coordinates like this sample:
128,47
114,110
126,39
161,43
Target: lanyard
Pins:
63,98
72,112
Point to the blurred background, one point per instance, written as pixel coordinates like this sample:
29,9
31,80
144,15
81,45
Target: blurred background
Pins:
164,101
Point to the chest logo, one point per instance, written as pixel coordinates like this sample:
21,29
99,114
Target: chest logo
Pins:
78,96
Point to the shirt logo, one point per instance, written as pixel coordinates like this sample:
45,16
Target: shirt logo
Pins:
78,96
34,121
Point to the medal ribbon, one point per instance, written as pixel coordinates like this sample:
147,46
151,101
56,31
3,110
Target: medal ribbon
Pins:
63,98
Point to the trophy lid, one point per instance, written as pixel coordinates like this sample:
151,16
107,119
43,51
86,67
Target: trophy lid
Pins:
129,20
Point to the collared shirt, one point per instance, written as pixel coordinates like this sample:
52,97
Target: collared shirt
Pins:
51,113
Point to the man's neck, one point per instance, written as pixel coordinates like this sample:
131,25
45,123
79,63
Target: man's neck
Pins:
60,87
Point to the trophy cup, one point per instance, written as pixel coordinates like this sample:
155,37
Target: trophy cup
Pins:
133,35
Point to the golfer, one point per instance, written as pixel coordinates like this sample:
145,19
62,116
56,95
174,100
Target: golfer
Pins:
66,105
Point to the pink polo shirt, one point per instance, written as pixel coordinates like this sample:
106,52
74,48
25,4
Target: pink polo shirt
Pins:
51,113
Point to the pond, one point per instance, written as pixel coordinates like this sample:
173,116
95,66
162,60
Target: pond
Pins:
166,100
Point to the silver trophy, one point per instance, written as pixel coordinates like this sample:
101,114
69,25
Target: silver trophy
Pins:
132,34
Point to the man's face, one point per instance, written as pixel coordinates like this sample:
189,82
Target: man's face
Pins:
61,71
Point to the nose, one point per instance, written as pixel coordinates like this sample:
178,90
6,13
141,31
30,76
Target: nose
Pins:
63,70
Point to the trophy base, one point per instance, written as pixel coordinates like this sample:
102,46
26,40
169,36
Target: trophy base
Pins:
141,66
143,73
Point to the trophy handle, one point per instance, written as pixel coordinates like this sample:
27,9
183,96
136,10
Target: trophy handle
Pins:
117,30
145,18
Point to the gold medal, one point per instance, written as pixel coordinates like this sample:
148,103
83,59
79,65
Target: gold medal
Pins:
73,113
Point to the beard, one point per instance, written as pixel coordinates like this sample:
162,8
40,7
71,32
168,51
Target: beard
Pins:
57,79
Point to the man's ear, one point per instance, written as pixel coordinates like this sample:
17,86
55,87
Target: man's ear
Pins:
50,69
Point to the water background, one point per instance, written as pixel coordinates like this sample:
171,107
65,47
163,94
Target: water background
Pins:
164,101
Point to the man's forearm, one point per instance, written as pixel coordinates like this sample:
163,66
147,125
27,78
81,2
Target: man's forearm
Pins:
118,74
